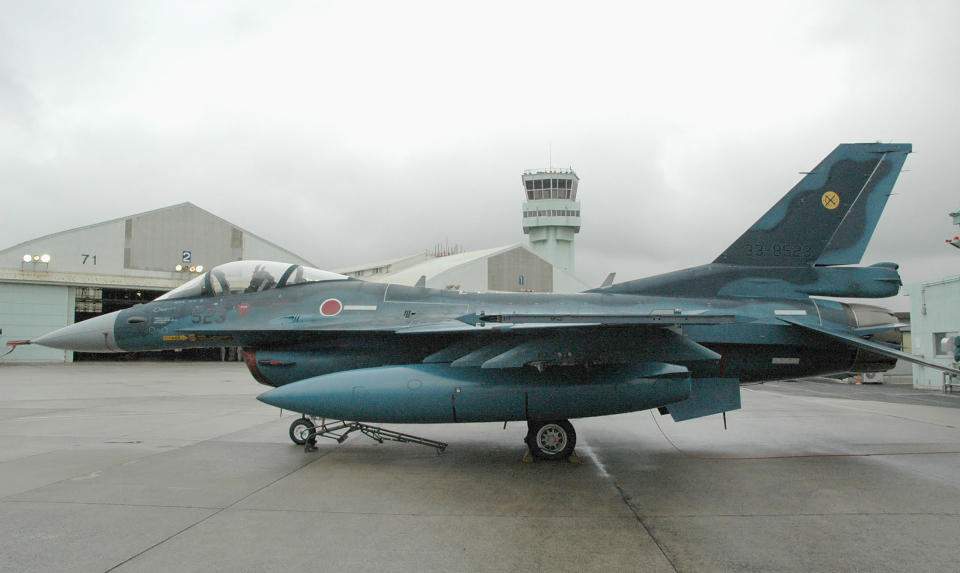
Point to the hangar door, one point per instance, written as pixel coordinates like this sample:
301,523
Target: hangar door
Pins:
27,311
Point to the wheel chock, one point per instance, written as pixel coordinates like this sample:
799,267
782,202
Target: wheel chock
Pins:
527,458
574,458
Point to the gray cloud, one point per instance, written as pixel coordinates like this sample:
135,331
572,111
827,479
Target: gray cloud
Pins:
349,134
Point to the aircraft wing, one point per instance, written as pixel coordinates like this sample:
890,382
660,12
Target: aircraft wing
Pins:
514,340
562,346
510,346
506,340
865,344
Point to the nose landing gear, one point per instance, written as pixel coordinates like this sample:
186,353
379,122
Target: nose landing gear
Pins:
300,430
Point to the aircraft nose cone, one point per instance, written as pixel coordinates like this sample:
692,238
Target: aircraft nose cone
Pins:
294,397
92,335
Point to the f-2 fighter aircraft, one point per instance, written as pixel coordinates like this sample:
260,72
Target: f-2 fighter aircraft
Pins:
345,349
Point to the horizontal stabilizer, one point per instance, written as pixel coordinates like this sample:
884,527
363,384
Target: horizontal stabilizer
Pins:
871,346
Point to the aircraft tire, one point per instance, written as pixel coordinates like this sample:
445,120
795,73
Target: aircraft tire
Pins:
299,430
551,439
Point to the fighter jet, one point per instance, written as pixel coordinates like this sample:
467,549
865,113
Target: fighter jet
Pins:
340,348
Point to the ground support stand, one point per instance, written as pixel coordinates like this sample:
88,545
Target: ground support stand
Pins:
340,430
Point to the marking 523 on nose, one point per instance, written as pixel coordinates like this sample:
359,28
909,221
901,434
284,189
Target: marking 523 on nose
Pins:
209,315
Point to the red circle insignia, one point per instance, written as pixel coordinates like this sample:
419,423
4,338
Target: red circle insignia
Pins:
331,307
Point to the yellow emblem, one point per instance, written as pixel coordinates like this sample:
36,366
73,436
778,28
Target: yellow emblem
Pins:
830,200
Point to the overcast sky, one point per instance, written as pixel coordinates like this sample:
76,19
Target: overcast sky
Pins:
356,131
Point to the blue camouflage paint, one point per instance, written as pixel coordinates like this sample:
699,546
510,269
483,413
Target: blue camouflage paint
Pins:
800,229
683,340
441,393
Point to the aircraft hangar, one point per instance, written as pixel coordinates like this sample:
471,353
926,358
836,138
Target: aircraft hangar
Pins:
65,277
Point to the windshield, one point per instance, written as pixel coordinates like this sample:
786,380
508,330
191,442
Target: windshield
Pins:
249,276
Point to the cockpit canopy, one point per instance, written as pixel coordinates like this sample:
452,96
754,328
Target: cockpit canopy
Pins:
249,276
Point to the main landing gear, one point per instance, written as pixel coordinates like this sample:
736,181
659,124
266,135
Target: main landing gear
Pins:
551,439
304,432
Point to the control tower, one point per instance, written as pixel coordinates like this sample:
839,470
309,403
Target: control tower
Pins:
551,214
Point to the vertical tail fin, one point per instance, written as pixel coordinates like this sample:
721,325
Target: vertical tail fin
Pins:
829,216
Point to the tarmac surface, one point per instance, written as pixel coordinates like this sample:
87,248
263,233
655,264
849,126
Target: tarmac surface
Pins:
176,467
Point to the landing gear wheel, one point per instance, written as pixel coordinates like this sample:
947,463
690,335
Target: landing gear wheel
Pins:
300,429
551,439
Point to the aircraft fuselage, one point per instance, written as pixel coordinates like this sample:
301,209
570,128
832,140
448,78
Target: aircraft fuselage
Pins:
319,328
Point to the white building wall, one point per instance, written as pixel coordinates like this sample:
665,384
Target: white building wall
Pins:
147,245
28,311
564,282
934,310
471,276
555,244
256,249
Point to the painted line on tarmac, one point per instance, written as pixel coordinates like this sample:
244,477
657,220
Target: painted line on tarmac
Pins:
592,456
